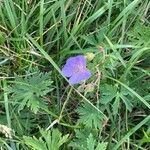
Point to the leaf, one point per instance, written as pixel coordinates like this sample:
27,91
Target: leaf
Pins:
29,91
86,141
33,142
101,146
89,116
116,104
108,92
80,141
54,139
89,39
95,38
145,139
49,140
140,34
90,142
127,103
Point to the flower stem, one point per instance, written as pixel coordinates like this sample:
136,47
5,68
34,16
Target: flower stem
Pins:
65,103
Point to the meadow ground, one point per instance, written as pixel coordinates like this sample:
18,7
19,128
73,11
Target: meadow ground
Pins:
50,98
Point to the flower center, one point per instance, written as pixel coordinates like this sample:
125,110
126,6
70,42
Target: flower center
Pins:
78,68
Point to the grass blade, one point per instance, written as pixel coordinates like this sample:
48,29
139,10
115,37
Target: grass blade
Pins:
132,91
132,131
8,112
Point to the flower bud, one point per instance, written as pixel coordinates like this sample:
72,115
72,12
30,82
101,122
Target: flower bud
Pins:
89,56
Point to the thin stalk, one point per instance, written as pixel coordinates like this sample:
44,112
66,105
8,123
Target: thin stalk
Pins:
65,103
41,21
128,139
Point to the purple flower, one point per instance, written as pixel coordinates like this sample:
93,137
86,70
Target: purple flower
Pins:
75,69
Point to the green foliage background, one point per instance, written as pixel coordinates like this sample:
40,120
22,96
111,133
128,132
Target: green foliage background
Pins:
39,110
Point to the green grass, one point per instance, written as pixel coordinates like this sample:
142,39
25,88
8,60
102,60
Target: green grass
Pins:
40,110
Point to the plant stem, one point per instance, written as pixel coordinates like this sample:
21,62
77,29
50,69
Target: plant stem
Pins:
65,103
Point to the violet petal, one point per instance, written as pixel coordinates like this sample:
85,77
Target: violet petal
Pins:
77,78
